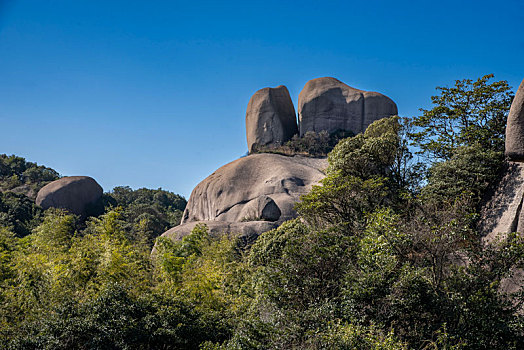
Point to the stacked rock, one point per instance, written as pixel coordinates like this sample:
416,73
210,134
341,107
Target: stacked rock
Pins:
329,104
256,193
270,118
324,104
503,213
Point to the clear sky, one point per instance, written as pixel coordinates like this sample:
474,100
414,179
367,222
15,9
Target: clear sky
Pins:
153,93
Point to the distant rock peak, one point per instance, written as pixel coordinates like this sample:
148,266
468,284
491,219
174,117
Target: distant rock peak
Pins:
258,192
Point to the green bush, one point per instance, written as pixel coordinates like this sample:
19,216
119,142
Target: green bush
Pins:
311,144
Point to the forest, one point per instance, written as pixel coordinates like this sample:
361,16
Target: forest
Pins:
385,254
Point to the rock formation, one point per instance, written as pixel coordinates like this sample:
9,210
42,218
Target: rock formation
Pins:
234,192
515,127
270,118
73,193
328,104
257,193
250,195
503,213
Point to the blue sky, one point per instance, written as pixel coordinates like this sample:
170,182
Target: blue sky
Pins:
153,93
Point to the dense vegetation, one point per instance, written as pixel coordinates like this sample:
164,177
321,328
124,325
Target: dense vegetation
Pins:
19,175
147,213
380,258
311,144
20,181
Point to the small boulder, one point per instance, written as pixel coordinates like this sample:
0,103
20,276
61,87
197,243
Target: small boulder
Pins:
270,118
515,127
73,193
329,104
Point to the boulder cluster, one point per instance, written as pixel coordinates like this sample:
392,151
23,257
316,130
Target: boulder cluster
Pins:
324,104
258,192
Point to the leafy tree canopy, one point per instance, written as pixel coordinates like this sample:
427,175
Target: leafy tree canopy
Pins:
16,172
469,112
147,212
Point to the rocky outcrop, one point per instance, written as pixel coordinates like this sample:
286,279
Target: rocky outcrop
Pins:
256,193
238,191
270,118
250,195
73,193
328,104
502,214
515,127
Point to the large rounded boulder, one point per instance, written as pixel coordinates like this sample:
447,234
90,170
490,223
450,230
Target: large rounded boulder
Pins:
73,193
515,127
270,118
327,104
250,195
257,187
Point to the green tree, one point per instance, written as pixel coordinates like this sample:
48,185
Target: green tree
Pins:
16,171
147,213
117,319
19,213
470,171
359,178
469,112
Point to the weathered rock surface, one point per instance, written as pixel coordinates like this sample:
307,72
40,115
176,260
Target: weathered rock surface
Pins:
328,104
503,214
261,208
73,193
515,127
250,195
247,231
238,191
270,118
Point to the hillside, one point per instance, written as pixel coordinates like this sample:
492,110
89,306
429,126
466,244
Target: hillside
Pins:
373,247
